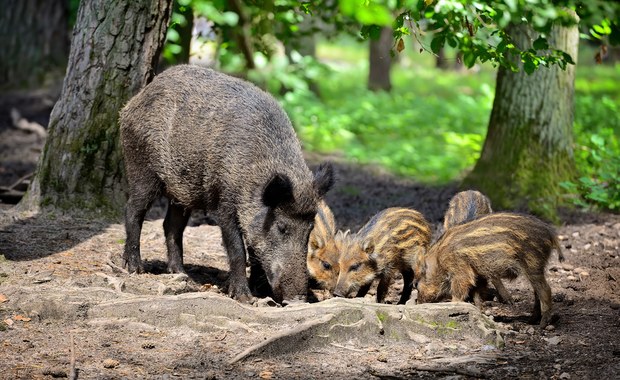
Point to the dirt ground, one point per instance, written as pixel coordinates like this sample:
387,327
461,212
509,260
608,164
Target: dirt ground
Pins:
67,311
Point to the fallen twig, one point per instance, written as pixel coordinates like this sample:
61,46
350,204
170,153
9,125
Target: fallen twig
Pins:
72,371
114,267
347,348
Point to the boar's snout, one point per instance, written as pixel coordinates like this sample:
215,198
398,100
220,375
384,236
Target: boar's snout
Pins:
288,288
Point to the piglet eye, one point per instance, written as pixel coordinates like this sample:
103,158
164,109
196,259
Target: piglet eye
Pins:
326,265
355,267
311,225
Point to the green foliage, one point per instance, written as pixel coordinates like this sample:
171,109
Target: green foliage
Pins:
430,127
597,142
478,29
281,74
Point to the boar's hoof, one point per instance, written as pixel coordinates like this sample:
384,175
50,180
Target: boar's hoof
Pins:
548,319
241,294
176,268
133,266
538,320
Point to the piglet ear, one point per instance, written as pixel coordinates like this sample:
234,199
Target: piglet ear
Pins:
279,190
369,246
315,241
324,178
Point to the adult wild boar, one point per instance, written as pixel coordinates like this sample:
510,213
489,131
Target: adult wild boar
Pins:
213,142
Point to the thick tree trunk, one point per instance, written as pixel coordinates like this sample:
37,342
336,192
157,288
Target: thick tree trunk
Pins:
115,47
380,61
528,148
35,41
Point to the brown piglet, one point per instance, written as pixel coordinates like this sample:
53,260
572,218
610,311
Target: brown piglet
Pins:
492,247
389,242
323,249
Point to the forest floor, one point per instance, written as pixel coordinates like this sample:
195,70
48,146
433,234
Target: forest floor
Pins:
66,310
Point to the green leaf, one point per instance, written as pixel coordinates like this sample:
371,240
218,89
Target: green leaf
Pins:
529,65
541,43
501,46
469,59
437,43
568,58
453,42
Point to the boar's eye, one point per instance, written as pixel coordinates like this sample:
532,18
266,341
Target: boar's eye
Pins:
282,228
326,265
355,267
311,226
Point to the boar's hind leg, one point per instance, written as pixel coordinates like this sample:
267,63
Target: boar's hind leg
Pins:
407,286
502,293
174,225
140,198
383,286
542,300
233,242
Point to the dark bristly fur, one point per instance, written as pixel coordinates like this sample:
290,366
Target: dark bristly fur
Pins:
210,141
494,246
389,242
323,251
466,206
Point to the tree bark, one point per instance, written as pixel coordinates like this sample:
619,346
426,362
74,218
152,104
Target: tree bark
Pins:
528,148
115,47
243,33
380,61
34,36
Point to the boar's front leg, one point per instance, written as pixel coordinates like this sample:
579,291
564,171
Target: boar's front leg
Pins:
407,286
382,288
141,195
174,225
258,278
363,290
233,242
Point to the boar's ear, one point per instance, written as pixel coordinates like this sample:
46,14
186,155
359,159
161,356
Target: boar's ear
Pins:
324,178
316,242
368,246
279,190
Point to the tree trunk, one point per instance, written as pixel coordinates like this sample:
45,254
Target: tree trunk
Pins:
35,42
243,33
528,148
115,47
380,61
184,29
441,62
